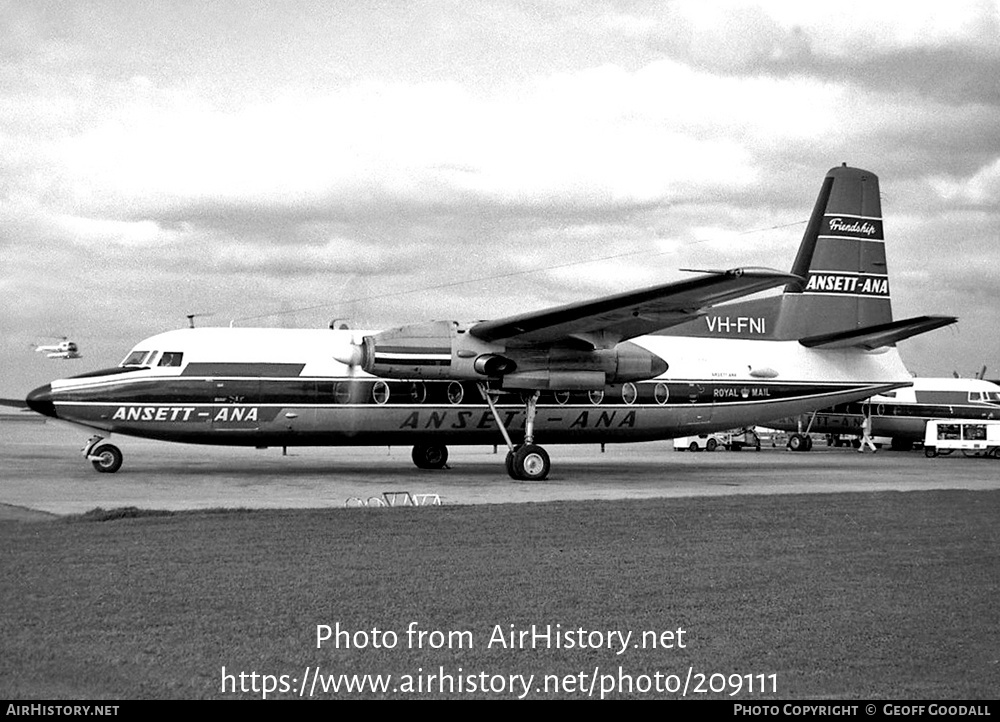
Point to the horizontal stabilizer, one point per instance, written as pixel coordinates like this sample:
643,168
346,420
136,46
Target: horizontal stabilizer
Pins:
884,334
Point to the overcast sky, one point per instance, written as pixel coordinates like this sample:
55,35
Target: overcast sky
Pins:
285,163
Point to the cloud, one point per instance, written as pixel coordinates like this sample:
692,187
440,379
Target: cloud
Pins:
593,138
982,188
953,75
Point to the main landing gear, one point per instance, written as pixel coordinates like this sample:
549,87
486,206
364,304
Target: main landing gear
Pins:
106,458
430,456
802,441
528,461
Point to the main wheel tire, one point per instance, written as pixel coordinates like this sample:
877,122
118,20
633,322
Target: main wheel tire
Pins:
809,443
110,458
509,462
711,445
430,456
530,463
797,442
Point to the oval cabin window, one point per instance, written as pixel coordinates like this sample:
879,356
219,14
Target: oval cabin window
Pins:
418,392
380,392
342,392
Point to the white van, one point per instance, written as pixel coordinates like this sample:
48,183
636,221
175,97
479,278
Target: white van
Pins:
975,437
701,442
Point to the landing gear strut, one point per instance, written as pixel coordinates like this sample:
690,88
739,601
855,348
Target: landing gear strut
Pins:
527,462
106,458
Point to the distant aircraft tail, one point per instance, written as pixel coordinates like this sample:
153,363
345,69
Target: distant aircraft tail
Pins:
843,298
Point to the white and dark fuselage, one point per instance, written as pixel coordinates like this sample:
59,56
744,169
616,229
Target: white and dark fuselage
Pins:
284,387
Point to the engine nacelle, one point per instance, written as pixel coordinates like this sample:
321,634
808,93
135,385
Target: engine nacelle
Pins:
433,350
443,350
576,370
634,363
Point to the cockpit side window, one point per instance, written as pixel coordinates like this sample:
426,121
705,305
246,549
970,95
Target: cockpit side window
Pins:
136,358
171,358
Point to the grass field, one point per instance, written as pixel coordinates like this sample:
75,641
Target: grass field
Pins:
848,596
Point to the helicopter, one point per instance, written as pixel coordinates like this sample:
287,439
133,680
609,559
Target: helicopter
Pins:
65,350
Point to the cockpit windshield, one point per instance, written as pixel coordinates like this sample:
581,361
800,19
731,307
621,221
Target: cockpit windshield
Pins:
136,358
990,397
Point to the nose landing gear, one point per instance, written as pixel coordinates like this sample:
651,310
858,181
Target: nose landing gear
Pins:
106,458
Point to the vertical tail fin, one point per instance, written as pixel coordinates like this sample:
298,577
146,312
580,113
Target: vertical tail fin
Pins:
841,260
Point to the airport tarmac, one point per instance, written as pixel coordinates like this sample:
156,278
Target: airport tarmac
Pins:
43,471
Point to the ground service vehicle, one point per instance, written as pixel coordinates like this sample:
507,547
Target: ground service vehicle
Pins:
701,442
974,437
728,440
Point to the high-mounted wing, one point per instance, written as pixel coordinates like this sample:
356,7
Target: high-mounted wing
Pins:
604,322
576,346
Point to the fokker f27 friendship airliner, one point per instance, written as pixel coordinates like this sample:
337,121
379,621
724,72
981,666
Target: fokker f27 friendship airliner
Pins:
656,363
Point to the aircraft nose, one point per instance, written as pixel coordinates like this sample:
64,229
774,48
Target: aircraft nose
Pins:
40,400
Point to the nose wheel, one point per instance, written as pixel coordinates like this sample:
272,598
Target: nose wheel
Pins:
106,458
